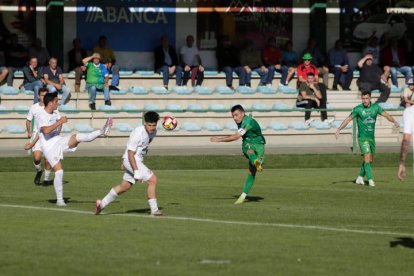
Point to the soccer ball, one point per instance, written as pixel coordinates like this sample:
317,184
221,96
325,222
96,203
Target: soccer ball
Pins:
169,123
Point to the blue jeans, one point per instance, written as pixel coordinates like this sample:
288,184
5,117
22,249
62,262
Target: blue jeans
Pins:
94,88
229,75
258,70
166,74
271,74
114,70
405,70
65,93
34,86
342,78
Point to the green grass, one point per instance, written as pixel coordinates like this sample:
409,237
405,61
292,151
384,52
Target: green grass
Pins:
126,241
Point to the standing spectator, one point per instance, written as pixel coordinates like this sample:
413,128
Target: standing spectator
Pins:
372,77
42,54
166,62
373,49
318,60
290,61
339,66
3,74
407,96
393,56
97,79
33,81
251,61
192,64
108,58
272,58
228,60
16,56
53,76
76,55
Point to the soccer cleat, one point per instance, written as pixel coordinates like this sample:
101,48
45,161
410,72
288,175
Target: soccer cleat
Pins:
258,165
157,213
98,208
240,200
360,180
61,203
37,178
371,183
107,126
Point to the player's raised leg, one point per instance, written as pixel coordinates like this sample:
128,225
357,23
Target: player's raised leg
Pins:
89,137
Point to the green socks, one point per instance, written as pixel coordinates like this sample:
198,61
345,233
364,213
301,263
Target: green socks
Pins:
249,183
368,170
362,170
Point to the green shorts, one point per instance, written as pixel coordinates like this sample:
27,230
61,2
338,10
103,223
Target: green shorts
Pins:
257,148
367,145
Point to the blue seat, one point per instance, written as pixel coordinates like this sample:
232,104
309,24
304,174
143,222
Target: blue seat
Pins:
277,126
231,125
262,127
15,129
212,126
190,126
395,89
159,90
196,108
68,109
181,90
217,108
123,127
85,128
224,90
388,106
152,107
320,125
118,92
210,73
9,90
245,90
3,110
337,124
280,106
286,89
375,91
130,108
203,90
265,90
298,125
260,107
66,129
356,73
18,74
108,109
138,90
21,109
145,72
174,108
126,72
29,92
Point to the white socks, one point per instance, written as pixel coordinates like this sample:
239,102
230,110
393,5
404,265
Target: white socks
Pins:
38,167
47,175
153,205
58,184
111,196
243,195
88,137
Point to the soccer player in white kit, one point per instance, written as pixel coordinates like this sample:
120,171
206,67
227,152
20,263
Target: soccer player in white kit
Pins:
31,134
408,119
54,145
134,168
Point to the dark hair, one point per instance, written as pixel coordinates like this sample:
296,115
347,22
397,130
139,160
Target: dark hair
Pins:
237,107
310,74
151,117
49,97
366,93
42,89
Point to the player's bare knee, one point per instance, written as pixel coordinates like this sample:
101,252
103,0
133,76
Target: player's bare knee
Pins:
153,180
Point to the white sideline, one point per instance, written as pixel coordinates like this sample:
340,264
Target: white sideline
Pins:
277,225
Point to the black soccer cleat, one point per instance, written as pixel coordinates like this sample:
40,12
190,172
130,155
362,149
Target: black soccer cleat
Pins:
37,178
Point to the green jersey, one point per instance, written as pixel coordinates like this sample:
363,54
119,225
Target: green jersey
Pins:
250,130
366,118
96,73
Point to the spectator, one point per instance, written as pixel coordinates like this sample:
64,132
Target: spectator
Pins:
191,60
16,56
339,66
228,60
53,76
290,61
272,59
251,61
3,75
33,81
166,62
42,54
373,49
393,56
76,55
373,77
108,58
310,96
407,99
318,60
97,78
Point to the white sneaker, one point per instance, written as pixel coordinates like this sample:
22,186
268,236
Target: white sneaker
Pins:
328,121
60,203
308,122
360,180
371,183
107,126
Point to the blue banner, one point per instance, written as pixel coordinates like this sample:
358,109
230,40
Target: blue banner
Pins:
129,25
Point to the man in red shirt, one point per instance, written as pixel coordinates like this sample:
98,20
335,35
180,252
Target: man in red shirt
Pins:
272,57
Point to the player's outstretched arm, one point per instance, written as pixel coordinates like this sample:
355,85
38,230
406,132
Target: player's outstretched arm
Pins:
343,125
31,145
405,144
230,138
390,119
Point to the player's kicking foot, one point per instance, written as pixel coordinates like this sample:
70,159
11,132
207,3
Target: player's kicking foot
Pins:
157,213
360,180
107,126
240,200
98,208
258,165
37,178
371,183
61,203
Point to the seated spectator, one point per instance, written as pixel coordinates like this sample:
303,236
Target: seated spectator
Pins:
76,55
339,66
53,76
251,61
310,96
97,78
41,53
272,59
108,58
228,60
290,61
393,56
166,62
3,74
318,60
16,57
33,78
191,60
407,99
372,77
373,49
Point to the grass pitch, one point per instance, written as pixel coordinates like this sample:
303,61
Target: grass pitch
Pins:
298,221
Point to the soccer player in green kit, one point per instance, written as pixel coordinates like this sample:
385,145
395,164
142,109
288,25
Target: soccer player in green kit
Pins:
366,115
252,147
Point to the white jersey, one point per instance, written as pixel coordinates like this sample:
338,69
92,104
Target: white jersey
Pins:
189,55
33,112
408,118
45,119
138,142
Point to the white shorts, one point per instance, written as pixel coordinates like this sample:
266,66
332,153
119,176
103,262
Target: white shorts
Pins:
144,173
37,146
55,148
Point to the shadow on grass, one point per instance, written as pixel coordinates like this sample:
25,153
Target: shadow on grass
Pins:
68,200
248,198
140,211
403,241
353,182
